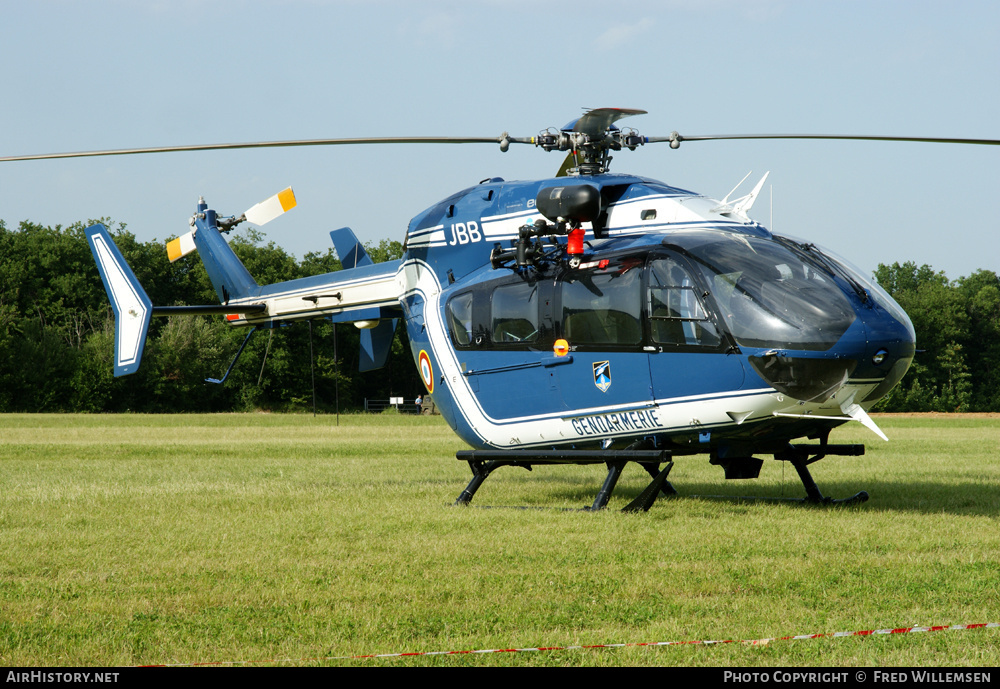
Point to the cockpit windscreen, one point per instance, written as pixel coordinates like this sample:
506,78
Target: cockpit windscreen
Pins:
769,295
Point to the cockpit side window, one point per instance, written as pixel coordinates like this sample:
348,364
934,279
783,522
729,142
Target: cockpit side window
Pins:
514,313
603,306
459,312
677,315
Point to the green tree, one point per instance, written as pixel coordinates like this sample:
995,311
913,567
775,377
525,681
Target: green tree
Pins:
57,333
385,250
941,378
981,292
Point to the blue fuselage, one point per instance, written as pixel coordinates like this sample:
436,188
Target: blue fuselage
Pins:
683,322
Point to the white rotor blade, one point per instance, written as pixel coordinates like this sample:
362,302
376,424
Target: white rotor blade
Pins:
266,211
180,247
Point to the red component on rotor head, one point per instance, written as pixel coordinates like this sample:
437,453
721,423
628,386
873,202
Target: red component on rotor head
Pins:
575,244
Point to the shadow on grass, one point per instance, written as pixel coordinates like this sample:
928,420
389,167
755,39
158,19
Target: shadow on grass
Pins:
924,497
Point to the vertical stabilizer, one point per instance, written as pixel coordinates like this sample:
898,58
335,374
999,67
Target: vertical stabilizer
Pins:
132,307
375,345
375,341
349,249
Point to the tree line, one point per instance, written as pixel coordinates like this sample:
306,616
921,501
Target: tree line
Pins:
57,335
957,322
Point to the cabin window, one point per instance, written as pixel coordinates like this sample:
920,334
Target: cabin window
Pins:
677,315
514,313
603,306
649,214
460,319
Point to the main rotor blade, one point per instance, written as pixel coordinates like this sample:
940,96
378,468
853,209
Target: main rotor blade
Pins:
274,144
675,137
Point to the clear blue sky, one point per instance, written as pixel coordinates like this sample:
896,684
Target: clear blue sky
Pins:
117,74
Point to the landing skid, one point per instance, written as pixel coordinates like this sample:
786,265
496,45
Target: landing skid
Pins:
485,462
856,499
799,457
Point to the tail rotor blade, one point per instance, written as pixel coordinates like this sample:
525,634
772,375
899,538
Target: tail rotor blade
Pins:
266,211
180,247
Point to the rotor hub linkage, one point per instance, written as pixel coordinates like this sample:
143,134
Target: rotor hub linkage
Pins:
613,139
591,153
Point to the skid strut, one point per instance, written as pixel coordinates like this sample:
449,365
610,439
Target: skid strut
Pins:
484,462
799,457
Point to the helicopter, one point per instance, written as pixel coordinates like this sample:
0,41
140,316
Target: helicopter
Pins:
587,318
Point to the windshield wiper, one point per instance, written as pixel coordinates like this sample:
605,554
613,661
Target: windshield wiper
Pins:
812,252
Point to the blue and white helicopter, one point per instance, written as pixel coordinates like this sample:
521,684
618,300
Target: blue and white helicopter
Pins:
591,317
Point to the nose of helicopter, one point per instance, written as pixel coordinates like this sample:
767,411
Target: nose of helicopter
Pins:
890,346
875,351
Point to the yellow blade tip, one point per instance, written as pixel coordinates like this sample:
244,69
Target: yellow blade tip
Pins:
174,249
287,199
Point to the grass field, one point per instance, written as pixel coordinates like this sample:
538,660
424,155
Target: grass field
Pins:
186,539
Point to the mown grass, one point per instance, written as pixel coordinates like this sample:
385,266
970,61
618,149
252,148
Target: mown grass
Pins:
186,539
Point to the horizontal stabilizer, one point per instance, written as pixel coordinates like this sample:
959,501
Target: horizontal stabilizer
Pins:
209,310
132,307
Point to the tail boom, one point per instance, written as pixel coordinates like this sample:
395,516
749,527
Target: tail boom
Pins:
366,294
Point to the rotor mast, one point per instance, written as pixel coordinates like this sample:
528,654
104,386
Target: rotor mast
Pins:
590,140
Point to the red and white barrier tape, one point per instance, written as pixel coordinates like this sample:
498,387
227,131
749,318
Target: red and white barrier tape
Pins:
752,642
